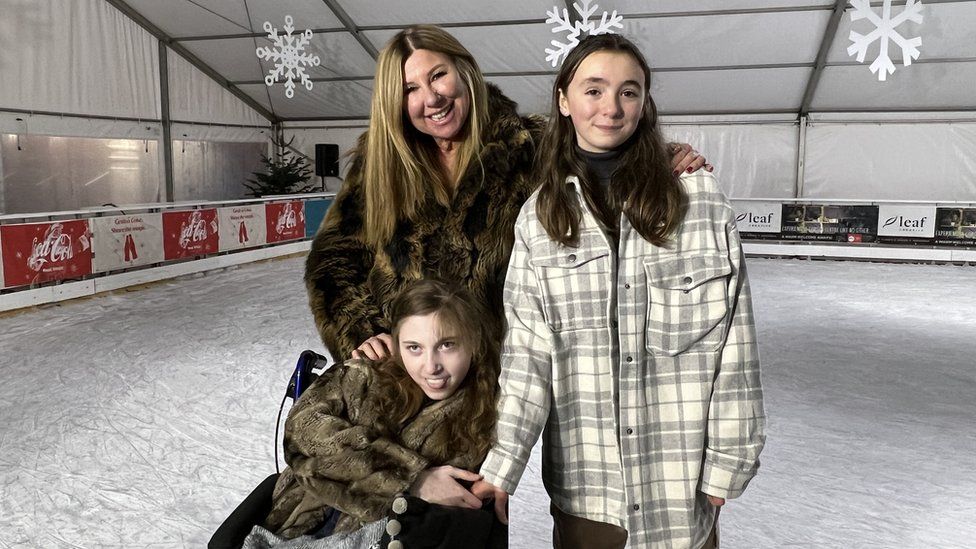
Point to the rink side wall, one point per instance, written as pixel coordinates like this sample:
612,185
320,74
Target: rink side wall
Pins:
54,256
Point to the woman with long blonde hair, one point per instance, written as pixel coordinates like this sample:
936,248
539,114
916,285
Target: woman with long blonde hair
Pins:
434,187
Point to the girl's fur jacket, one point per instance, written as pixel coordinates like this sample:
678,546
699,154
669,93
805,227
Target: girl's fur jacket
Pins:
338,458
350,286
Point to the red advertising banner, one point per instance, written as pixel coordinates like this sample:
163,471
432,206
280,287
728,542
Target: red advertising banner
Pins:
190,233
285,221
41,252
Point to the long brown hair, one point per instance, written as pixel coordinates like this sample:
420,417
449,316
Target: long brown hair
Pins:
401,398
400,163
643,187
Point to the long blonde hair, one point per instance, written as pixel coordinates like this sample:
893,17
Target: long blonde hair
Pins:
400,162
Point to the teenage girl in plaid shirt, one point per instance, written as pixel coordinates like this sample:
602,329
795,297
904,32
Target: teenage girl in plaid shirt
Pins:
631,339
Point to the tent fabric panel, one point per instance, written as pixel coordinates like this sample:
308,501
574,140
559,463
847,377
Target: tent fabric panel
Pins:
71,126
214,170
307,14
729,40
230,134
345,137
327,99
237,60
81,57
194,96
779,89
340,55
941,29
891,161
920,86
530,92
51,173
626,7
506,48
233,58
792,37
751,160
178,18
384,12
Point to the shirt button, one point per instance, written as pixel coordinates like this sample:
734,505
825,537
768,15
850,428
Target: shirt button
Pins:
613,323
627,286
630,359
636,507
630,431
572,258
687,280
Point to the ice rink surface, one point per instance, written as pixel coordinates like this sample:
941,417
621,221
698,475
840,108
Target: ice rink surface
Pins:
142,418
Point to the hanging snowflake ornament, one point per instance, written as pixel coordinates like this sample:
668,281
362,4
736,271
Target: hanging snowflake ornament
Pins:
575,29
885,31
289,56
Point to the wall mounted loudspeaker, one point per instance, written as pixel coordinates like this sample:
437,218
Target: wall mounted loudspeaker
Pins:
327,159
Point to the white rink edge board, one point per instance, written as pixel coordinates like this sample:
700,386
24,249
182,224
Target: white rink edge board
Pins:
82,288
847,251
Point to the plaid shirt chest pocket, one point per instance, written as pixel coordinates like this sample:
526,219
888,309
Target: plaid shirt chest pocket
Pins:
574,283
687,308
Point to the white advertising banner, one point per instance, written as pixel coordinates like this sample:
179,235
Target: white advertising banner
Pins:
758,217
121,241
242,227
906,220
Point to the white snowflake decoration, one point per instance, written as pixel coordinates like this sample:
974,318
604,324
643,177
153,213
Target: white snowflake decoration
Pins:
288,54
884,31
575,30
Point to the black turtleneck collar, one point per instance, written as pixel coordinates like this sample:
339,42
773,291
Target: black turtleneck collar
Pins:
601,164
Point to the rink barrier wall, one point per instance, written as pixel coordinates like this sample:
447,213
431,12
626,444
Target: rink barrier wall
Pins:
858,229
54,256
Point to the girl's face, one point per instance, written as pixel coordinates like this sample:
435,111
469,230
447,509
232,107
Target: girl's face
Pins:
435,98
605,100
433,355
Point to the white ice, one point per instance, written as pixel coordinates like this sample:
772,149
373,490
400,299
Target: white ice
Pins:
141,418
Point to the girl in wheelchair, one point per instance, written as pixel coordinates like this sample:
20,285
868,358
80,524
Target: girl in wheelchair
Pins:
417,422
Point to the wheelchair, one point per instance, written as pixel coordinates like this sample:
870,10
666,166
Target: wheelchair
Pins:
257,505
430,525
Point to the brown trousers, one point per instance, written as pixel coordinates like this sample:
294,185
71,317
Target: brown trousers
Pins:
572,532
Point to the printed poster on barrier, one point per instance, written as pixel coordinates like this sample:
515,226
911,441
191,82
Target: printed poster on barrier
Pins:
41,252
906,224
758,220
242,227
190,233
828,222
315,211
285,221
121,241
956,226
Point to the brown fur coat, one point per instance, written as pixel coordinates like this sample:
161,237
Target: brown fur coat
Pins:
350,286
337,458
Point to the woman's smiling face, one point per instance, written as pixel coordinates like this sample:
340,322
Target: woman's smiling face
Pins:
436,99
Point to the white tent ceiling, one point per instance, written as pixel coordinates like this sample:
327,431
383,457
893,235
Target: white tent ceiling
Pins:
710,57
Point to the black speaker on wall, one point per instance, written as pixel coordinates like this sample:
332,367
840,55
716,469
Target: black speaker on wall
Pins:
327,159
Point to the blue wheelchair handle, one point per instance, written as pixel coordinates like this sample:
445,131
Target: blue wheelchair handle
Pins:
303,376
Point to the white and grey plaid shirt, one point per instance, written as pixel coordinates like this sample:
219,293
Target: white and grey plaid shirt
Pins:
641,364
